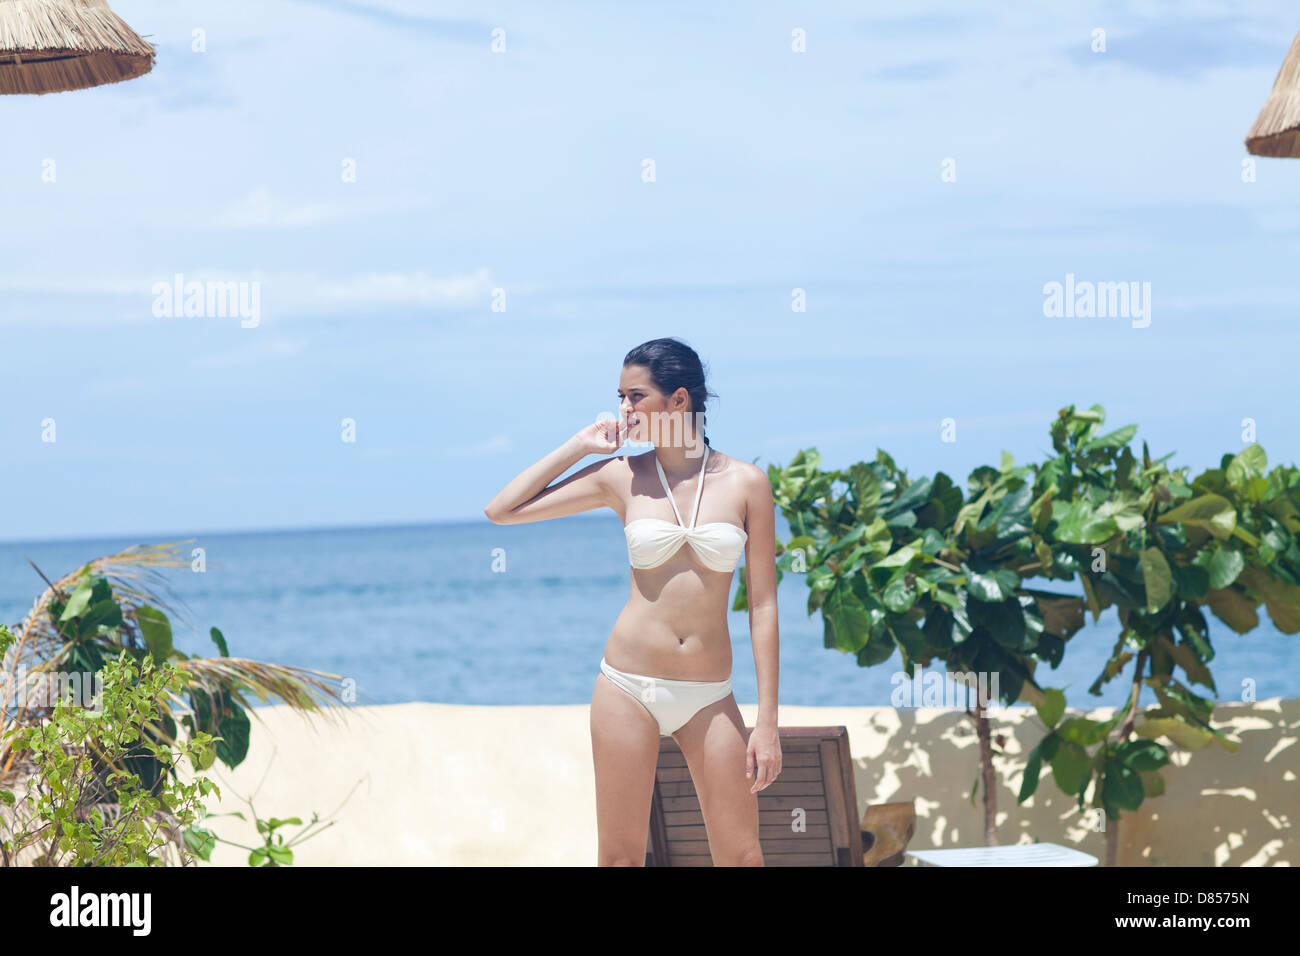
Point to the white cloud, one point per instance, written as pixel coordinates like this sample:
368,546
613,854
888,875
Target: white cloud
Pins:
260,209
73,285
281,293
313,293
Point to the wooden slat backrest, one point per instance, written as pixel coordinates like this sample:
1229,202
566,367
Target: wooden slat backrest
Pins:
816,777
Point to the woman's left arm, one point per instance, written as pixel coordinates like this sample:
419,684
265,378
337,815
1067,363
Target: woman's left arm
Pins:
763,761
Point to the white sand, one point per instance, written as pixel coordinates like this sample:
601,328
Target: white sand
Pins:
459,785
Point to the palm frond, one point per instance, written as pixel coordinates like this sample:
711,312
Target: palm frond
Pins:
298,687
134,576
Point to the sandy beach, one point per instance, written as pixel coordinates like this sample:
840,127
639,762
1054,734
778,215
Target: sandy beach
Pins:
451,785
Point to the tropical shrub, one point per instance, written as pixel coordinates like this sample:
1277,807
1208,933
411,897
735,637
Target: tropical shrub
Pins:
113,606
82,805
918,567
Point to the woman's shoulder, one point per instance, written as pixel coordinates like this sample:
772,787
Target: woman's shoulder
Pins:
744,472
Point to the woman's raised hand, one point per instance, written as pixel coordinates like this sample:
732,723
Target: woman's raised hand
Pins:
602,437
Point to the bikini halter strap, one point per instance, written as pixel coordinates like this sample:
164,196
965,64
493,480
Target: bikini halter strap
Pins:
663,479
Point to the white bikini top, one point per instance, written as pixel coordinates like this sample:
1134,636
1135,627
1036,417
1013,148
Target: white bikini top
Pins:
652,541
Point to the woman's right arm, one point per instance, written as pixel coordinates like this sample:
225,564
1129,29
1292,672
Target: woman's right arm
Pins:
527,497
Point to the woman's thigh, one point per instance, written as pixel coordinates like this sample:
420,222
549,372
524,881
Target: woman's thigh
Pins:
624,750
714,742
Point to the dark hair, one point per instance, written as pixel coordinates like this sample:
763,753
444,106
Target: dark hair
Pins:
674,365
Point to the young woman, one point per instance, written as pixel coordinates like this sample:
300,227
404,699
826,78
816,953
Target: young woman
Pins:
667,664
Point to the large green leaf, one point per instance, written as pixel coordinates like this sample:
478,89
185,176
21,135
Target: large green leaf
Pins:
907,636
235,730
1011,514
1070,766
1191,582
945,502
281,855
1005,622
1142,754
866,490
1094,413
878,649
102,613
156,630
1116,439
848,625
1083,731
1251,463
1180,732
205,757
1029,783
1280,598
1062,613
1079,523
899,596
1157,578
899,558
219,714
1121,786
971,511
1041,511
1053,707
79,600
1234,609
1186,658
992,586
1212,513
1051,649
914,496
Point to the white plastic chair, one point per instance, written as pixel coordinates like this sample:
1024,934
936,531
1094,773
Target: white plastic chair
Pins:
1023,854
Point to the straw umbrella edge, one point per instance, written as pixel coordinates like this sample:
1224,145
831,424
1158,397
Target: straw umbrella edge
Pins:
1276,131
52,46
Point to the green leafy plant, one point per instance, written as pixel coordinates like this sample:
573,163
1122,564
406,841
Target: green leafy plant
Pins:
82,805
1159,547
919,567
113,606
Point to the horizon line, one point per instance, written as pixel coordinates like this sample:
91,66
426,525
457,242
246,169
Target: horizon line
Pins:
298,529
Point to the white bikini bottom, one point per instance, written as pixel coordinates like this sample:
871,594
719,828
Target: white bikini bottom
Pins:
671,702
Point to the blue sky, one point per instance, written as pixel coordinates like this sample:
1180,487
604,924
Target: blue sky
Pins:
522,170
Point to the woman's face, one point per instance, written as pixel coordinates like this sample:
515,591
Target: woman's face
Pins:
639,400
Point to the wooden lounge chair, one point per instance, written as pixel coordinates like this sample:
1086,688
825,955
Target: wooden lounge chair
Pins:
816,779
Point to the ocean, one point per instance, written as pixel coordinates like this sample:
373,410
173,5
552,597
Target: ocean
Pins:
419,614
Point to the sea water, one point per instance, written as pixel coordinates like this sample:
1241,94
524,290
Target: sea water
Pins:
477,613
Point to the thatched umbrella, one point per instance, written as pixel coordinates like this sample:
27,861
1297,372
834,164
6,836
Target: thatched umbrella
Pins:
1276,131
48,46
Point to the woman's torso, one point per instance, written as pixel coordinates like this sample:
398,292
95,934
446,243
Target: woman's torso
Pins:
675,622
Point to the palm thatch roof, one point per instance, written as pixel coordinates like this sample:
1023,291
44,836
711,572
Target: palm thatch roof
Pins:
1276,131
50,46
